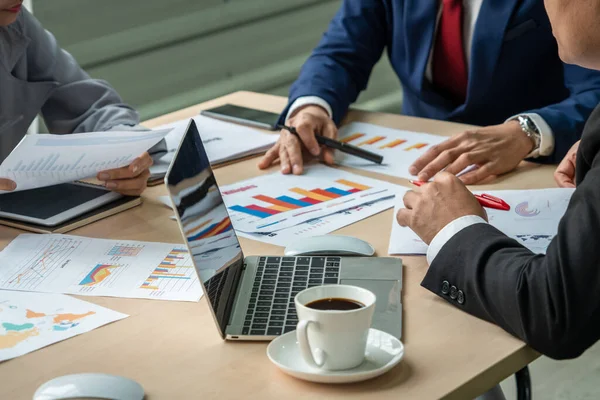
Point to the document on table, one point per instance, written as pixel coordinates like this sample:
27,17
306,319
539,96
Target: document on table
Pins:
532,220
224,141
398,148
30,321
270,203
45,160
99,267
323,225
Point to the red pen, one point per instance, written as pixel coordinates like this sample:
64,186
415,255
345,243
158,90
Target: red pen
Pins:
485,200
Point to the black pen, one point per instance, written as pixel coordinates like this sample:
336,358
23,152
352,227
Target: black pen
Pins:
341,146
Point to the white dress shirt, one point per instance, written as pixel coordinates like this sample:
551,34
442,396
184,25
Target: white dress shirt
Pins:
471,12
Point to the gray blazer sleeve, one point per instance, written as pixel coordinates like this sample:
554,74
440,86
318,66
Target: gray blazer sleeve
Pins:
79,103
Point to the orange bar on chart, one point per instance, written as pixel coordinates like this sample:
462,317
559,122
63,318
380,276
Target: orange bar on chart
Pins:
352,137
353,184
416,146
310,195
393,144
279,208
372,140
326,193
275,202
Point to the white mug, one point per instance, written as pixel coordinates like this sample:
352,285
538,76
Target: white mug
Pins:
332,339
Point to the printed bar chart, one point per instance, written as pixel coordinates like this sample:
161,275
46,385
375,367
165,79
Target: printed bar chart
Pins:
352,137
279,202
310,197
172,268
393,143
372,140
357,187
311,194
416,146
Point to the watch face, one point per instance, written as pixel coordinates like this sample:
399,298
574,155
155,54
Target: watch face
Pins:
531,131
531,125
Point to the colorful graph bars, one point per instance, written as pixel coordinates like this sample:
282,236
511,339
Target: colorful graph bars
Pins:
378,139
416,146
352,137
212,229
165,270
371,141
287,203
393,143
99,273
125,251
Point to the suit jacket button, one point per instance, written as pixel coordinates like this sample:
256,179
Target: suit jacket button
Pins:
445,287
460,297
453,292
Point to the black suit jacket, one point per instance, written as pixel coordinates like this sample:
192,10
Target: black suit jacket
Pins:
551,302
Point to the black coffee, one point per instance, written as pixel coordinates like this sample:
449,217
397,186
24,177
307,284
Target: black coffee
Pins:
335,304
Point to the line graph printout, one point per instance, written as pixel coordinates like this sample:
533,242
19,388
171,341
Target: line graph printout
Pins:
270,203
30,321
532,220
45,160
398,148
98,267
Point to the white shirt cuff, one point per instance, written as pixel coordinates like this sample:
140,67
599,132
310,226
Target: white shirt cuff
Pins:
309,100
547,136
448,232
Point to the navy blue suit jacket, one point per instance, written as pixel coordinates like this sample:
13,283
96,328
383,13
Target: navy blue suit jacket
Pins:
515,67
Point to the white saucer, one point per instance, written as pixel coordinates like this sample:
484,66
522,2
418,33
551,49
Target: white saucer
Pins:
383,353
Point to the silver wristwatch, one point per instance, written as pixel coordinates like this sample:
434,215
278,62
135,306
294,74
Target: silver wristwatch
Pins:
532,132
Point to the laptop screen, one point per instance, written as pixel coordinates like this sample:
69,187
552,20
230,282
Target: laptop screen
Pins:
205,224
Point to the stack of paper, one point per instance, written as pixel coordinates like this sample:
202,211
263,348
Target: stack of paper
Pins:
532,220
223,141
30,321
46,160
98,267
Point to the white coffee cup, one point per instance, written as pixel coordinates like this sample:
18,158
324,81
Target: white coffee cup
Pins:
333,339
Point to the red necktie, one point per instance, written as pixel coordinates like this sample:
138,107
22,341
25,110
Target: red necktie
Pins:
449,68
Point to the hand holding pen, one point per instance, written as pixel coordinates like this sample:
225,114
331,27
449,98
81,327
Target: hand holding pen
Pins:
440,202
308,121
341,146
486,200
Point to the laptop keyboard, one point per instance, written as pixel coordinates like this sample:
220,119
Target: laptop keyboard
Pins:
278,280
214,287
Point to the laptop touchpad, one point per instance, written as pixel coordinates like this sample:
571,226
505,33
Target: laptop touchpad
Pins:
388,308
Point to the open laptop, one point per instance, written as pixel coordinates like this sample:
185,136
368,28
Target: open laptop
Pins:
252,298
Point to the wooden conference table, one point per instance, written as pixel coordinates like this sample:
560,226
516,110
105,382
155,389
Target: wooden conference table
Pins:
173,348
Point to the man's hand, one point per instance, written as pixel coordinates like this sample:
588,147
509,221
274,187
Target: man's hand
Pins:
308,121
565,172
437,204
7,185
495,150
131,180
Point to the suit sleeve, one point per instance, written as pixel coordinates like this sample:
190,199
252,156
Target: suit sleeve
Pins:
567,118
551,302
339,68
79,103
